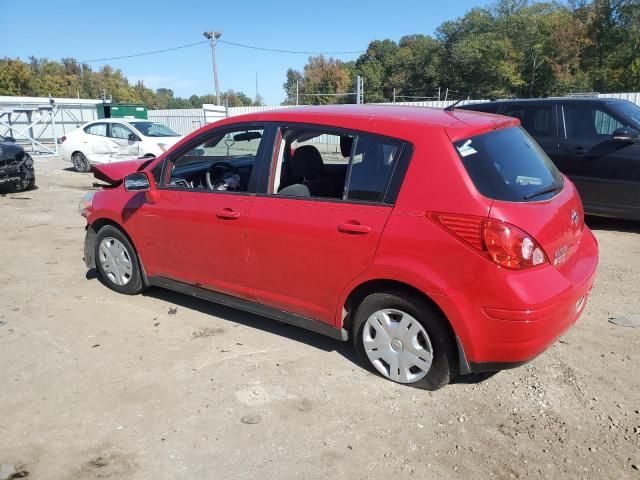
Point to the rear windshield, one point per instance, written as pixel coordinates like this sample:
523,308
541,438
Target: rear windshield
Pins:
509,165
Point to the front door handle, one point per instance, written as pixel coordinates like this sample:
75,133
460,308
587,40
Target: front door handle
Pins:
227,214
354,228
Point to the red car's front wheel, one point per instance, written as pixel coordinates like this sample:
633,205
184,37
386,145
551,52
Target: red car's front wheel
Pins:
117,261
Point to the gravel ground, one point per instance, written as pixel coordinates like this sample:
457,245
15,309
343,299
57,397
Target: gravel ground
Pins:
162,386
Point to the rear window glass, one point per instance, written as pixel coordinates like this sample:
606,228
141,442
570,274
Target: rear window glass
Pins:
509,165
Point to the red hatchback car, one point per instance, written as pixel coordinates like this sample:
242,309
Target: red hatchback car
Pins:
441,242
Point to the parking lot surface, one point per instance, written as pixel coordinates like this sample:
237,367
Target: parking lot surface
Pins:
94,384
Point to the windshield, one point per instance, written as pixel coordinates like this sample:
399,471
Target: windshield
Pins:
509,165
630,111
153,129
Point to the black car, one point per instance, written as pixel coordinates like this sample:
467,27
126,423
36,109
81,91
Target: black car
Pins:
594,141
16,166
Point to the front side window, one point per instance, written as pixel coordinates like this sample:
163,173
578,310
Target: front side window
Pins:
99,129
153,129
334,165
224,162
120,131
509,165
589,123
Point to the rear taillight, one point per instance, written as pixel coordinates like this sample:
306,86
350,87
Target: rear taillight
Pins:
62,139
502,243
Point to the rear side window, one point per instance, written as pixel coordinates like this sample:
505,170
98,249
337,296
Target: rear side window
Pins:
99,129
372,165
509,165
537,120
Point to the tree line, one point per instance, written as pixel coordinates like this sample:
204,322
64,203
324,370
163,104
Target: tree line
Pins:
514,48
40,77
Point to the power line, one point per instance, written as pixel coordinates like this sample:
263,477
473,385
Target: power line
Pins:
252,47
277,50
143,53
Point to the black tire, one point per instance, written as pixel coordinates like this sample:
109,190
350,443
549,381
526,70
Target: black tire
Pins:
80,162
134,284
444,364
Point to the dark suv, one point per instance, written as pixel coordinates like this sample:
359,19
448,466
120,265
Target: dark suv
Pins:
16,166
594,141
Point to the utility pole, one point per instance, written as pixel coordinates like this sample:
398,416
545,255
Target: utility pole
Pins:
394,95
358,89
256,87
213,39
296,92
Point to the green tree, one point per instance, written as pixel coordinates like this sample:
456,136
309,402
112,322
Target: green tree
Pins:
293,78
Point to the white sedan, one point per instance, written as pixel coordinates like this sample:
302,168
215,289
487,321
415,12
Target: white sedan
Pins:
115,139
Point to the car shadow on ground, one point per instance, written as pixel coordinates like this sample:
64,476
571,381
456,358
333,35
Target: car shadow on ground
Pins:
612,224
236,316
7,191
291,332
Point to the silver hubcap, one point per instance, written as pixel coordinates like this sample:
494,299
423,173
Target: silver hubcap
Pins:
397,345
115,261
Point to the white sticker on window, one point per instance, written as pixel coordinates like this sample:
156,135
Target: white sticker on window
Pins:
522,180
466,149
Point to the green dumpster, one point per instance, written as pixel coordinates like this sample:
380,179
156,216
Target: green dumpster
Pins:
122,110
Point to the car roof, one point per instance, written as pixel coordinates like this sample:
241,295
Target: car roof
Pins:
407,122
119,120
551,100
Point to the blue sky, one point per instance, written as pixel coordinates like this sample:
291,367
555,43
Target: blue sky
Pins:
88,29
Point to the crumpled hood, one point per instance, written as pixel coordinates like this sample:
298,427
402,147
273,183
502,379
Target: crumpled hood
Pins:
113,173
11,151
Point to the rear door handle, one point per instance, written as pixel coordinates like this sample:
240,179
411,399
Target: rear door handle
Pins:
227,214
354,228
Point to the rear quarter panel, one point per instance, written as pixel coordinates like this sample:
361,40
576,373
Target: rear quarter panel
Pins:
416,251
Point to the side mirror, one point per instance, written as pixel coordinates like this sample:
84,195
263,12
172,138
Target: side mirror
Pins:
626,135
137,182
133,137
9,139
142,182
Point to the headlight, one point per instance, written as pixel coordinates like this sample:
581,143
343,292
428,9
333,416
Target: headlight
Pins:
86,203
28,161
163,146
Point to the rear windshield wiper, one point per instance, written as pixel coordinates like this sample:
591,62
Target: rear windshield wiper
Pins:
550,189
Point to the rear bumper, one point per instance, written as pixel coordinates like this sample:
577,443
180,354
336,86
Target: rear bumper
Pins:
533,309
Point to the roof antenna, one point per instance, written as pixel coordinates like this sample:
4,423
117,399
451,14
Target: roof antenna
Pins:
452,106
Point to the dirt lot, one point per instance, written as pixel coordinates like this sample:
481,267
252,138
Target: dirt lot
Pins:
161,386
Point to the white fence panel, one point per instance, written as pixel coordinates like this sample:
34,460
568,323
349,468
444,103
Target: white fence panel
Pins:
633,97
70,113
182,120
